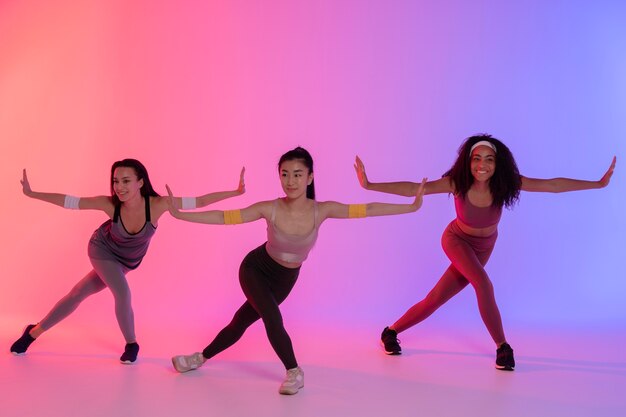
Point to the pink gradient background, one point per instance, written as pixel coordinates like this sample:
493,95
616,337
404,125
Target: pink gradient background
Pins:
197,89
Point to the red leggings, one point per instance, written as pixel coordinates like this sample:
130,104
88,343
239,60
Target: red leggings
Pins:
468,256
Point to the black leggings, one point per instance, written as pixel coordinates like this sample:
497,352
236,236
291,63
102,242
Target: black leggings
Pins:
265,284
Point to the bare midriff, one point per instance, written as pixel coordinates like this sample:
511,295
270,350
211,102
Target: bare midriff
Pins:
477,231
291,265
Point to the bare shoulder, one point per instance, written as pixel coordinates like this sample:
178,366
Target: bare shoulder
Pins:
263,205
262,208
440,186
159,202
158,205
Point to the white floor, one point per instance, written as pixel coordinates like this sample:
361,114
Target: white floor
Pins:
442,372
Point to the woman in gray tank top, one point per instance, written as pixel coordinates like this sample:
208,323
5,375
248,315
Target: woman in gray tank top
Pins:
116,247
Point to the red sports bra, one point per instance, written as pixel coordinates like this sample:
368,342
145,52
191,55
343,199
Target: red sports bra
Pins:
474,216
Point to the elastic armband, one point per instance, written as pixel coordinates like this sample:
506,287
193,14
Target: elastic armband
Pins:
356,210
232,217
189,203
71,202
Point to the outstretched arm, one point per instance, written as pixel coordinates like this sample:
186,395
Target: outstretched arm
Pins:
249,214
207,199
332,209
64,200
560,185
403,188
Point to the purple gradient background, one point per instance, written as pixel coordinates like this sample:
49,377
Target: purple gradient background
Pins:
198,89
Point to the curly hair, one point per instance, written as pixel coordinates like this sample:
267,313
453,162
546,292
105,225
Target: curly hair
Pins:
506,182
302,154
142,174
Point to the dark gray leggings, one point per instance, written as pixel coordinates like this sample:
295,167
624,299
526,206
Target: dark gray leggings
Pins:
265,284
105,274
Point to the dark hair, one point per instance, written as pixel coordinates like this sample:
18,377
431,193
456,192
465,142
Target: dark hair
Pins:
303,155
506,182
142,174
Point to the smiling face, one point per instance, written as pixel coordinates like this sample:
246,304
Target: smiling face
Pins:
125,183
483,163
294,178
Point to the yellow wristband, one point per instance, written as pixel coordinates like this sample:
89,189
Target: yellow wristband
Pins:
232,217
356,210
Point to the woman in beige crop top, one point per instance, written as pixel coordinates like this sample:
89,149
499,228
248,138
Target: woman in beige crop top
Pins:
269,272
483,180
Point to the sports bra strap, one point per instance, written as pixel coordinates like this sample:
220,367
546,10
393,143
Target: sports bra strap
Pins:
148,219
116,213
273,216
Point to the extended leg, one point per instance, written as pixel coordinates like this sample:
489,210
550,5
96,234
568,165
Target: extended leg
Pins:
447,287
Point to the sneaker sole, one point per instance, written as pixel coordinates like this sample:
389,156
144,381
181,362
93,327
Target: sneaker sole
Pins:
392,353
505,368
179,370
285,392
18,353
128,362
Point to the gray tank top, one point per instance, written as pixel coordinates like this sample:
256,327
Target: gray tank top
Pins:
111,241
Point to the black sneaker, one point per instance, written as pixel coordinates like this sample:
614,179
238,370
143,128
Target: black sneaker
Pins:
390,342
130,353
21,345
504,358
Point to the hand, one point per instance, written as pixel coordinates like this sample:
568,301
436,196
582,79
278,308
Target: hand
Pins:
242,183
171,205
25,184
606,178
360,173
419,195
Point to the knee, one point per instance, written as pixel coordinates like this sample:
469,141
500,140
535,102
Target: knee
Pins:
442,293
483,287
242,320
434,296
77,295
122,295
273,321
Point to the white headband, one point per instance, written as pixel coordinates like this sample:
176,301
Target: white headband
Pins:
483,143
